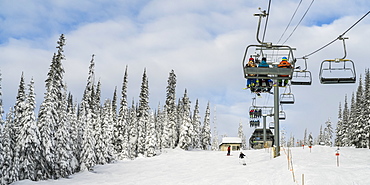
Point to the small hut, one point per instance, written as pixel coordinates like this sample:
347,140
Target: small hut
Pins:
234,142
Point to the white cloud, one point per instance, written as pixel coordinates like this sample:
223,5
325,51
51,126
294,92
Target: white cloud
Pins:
203,41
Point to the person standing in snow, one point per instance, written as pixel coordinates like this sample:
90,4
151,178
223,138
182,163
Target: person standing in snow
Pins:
241,156
228,150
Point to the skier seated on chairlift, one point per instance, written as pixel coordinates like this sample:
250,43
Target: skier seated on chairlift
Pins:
284,64
267,87
251,83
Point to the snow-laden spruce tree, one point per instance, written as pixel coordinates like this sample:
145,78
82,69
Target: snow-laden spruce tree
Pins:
215,143
196,126
339,130
28,144
305,138
345,140
97,125
165,136
133,132
122,128
241,135
160,121
49,114
283,138
63,142
151,137
143,114
352,121
366,107
186,127
360,136
9,174
86,119
106,146
328,133
206,130
19,114
75,133
171,109
310,140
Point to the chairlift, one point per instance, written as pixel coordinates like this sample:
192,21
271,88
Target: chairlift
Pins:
272,53
287,98
272,125
282,115
336,71
254,123
301,76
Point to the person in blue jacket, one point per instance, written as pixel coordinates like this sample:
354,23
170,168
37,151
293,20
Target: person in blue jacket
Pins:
265,65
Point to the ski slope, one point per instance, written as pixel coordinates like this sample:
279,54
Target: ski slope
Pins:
179,167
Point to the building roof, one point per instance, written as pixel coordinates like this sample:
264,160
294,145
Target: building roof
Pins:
230,140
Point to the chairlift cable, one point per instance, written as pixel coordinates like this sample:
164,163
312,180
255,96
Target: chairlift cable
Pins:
299,22
267,18
340,36
290,21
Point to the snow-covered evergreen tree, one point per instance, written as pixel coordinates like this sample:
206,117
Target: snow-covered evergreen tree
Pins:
143,114
328,133
310,140
28,144
186,127
321,137
151,137
49,115
196,126
206,130
106,144
9,175
366,107
360,135
19,115
122,128
215,143
339,130
283,138
345,140
352,121
305,138
171,109
133,132
86,119
241,135
75,134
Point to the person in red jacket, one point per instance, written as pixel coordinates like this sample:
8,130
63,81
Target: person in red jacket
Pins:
228,150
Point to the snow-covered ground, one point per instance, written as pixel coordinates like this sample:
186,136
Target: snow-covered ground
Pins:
178,167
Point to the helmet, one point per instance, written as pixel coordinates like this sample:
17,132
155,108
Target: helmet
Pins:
284,58
251,59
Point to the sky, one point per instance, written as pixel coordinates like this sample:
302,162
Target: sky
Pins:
317,166
202,41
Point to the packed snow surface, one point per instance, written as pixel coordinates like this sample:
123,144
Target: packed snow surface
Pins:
179,167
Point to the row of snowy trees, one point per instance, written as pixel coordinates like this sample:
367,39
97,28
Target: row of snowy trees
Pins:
66,137
353,127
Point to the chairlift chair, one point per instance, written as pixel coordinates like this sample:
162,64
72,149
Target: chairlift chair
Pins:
287,98
302,76
271,52
338,71
272,125
282,115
